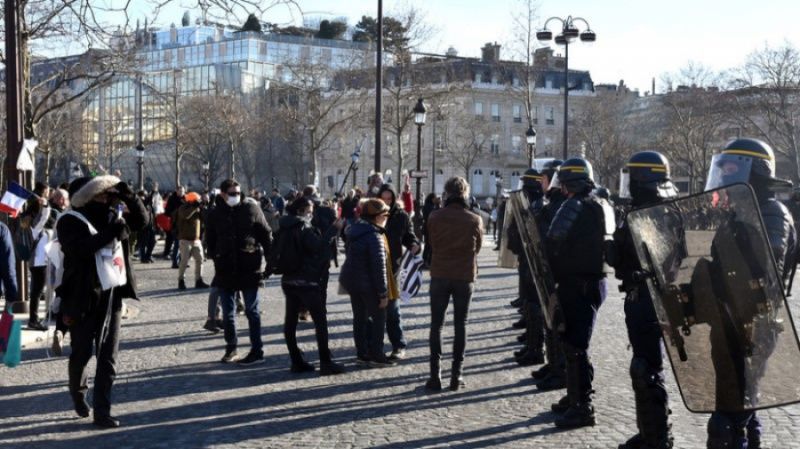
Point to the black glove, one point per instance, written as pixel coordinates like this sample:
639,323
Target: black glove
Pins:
124,190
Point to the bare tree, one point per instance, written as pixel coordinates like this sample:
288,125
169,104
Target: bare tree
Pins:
602,125
467,137
523,44
767,99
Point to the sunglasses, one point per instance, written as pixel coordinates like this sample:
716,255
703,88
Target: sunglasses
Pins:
233,193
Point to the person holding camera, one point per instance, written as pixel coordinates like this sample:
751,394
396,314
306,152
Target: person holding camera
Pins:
104,213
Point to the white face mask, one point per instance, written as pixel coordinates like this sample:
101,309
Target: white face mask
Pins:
234,200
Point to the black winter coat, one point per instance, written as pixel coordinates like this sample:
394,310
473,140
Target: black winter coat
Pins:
400,234
364,269
316,250
238,239
80,287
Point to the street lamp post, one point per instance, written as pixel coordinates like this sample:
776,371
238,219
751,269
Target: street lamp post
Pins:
530,137
354,158
419,120
569,31
207,173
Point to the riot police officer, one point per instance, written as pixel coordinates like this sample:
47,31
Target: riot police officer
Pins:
533,352
552,375
576,242
750,161
645,181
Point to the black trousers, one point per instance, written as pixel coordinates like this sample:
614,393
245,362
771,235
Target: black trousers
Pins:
312,299
38,276
86,338
441,290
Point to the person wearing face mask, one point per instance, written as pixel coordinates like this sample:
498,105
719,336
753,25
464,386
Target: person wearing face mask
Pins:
238,238
366,275
93,314
302,284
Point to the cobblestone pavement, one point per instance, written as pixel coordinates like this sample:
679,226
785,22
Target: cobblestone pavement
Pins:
172,392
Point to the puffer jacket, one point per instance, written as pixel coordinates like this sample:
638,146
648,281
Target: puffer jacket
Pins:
238,239
316,250
364,269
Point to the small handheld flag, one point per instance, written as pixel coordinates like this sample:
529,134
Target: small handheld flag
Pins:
13,199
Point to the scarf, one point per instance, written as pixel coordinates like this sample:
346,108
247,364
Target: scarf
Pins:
391,283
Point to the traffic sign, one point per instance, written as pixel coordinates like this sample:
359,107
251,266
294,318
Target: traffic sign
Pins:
418,174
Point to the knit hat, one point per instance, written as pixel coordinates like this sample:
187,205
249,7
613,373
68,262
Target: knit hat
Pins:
191,197
373,207
82,190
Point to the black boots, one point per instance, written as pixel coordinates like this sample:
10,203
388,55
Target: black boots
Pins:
181,284
200,284
579,390
434,383
81,406
456,380
652,411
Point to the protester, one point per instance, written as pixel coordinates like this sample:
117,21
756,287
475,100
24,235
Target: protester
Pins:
93,313
277,201
305,254
366,275
38,221
432,203
189,221
456,236
147,236
59,202
171,245
238,237
400,234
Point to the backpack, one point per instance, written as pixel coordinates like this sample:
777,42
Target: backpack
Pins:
286,255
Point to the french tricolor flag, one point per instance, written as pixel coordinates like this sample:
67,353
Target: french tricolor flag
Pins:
14,199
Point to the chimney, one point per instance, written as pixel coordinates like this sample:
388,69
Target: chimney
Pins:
490,52
653,90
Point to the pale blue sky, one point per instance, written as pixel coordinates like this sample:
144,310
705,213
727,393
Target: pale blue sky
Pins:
637,40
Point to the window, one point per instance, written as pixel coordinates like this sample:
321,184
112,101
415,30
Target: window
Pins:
516,143
515,180
477,182
495,112
495,178
517,109
495,145
478,78
535,115
550,117
478,108
548,83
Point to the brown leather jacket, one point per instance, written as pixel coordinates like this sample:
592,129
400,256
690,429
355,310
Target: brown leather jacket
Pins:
455,235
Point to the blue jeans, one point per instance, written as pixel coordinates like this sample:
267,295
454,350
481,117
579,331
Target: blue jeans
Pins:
228,300
394,328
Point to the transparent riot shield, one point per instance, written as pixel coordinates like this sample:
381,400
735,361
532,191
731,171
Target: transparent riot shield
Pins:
535,254
719,300
505,257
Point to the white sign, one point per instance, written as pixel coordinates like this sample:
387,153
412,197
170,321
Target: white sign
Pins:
25,160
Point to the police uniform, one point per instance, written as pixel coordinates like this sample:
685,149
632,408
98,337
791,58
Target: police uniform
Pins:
751,161
576,242
645,181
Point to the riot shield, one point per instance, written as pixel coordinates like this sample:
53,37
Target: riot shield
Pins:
505,257
533,245
719,300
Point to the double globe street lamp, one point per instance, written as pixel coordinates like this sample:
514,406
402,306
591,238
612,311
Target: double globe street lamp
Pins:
569,32
420,114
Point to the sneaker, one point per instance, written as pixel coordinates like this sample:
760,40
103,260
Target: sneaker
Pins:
200,284
58,341
230,356
381,362
302,367
211,326
36,325
362,360
398,354
331,369
181,285
252,358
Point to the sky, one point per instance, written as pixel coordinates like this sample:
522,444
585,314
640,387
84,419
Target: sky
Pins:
637,40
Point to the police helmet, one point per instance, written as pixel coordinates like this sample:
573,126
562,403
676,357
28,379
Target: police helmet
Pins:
647,171
741,160
531,178
576,174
